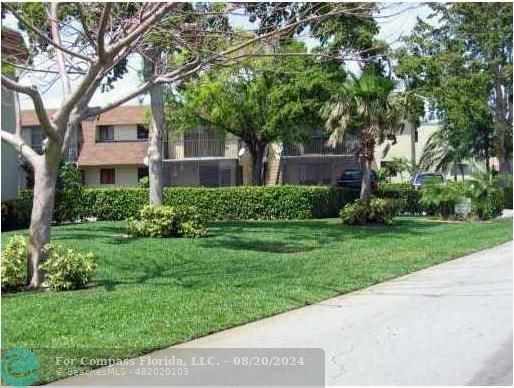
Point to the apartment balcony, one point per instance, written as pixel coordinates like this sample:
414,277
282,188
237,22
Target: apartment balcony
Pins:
319,147
206,148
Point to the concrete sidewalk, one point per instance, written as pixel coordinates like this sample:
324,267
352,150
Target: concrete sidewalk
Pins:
450,324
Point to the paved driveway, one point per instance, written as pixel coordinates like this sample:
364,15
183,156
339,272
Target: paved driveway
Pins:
449,324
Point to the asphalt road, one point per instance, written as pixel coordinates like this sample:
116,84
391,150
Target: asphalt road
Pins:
450,324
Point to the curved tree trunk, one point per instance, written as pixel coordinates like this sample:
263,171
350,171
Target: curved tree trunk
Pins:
45,178
156,130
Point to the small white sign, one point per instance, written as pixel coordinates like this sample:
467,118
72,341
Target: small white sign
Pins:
463,208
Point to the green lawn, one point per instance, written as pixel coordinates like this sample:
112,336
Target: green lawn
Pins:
152,293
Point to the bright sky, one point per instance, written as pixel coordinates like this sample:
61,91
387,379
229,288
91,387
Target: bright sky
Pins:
391,28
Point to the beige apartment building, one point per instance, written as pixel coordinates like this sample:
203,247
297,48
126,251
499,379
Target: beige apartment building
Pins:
111,152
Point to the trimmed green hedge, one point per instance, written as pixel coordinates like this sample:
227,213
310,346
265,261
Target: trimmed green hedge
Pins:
409,198
228,203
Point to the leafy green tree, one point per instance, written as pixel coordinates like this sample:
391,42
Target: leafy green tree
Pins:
365,107
463,65
350,33
261,101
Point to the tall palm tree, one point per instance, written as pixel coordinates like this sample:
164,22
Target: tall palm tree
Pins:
366,108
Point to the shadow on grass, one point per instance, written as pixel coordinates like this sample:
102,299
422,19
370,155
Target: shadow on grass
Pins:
318,233
283,240
89,232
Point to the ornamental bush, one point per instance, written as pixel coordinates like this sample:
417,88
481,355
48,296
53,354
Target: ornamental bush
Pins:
489,207
379,210
382,211
14,263
66,269
355,213
441,198
407,197
167,221
487,192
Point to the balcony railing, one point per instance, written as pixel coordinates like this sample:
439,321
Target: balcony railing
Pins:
319,146
202,148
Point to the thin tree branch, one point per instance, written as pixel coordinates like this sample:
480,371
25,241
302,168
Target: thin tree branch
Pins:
99,110
32,69
193,66
20,146
39,107
56,38
43,36
101,30
83,21
137,32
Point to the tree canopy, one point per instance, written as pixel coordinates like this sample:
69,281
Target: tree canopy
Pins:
262,100
461,61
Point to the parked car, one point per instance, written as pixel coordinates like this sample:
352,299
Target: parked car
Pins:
420,178
353,179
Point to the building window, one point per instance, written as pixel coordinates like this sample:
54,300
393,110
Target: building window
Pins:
142,131
107,176
106,133
142,172
83,177
36,138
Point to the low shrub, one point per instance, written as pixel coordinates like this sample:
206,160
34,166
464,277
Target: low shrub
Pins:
408,199
355,213
13,268
441,198
489,207
382,210
167,221
379,210
487,193
66,269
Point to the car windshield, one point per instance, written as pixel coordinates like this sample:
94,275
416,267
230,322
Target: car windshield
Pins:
351,175
426,178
